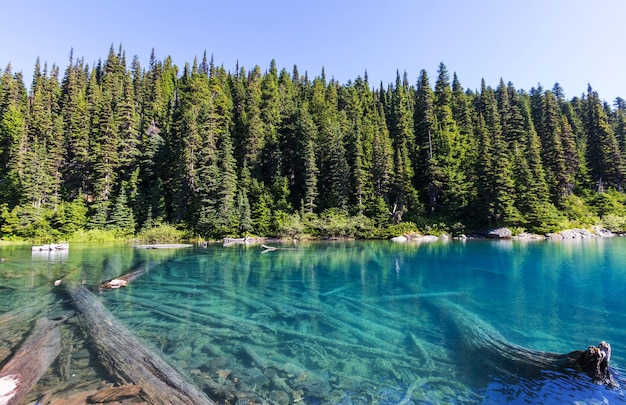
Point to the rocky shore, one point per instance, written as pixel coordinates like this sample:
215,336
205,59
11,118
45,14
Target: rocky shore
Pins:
506,233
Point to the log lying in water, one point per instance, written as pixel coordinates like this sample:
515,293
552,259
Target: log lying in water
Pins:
113,394
30,362
595,362
478,336
123,281
128,359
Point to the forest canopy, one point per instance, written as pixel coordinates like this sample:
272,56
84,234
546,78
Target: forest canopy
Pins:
122,148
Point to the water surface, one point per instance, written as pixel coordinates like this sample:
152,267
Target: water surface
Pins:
355,322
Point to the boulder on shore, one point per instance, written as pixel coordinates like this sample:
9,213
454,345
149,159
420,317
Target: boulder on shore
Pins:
414,237
500,233
577,233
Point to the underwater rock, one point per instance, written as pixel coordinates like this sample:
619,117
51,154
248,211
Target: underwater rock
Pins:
314,384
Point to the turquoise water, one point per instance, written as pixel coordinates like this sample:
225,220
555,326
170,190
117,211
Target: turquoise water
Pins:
359,322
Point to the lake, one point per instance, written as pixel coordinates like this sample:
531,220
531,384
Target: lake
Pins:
365,322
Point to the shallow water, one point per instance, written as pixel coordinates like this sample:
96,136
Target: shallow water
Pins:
357,322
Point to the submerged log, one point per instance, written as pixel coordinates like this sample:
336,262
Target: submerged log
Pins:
595,362
124,280
114,394
478,336
30,362
127,358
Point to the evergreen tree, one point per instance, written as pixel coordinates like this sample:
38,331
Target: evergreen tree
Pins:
121,219
244,216
229,154
76,120
496,184
552,149
603,154
305,168
447,188
382,155
271,158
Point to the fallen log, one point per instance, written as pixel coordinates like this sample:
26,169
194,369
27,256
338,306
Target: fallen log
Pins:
30,362
478,336
124,280
128,359
268,248
113,394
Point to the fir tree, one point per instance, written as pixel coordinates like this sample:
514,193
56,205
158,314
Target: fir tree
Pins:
605,160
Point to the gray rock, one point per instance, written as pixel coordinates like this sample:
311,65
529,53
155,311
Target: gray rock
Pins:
500,233
575,233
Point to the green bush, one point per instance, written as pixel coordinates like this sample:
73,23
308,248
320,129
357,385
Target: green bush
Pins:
401,228
160,232
288,225
337,223
614,223
545,218
95,236
610,202
579,212
25,222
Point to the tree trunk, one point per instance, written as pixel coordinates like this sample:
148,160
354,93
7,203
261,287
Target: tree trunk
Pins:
127,358
30,362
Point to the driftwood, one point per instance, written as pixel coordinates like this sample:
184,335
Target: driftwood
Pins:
30,362
128,359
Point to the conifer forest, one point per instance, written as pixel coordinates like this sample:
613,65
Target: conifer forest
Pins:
122,148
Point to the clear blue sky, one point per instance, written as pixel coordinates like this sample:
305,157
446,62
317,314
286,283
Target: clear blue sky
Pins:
526,42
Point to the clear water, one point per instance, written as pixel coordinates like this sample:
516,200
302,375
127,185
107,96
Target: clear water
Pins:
359,322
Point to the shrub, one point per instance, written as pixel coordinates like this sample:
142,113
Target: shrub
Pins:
160,232
95,236
614,223
400,229
288,225
577,211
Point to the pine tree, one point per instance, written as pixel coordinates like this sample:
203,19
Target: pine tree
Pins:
253,140
13,135
271,157
447,188
382,155
305,168
228,185
552,149
496,183
244,216
603,154
618,121
76,127
121,219
423,154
